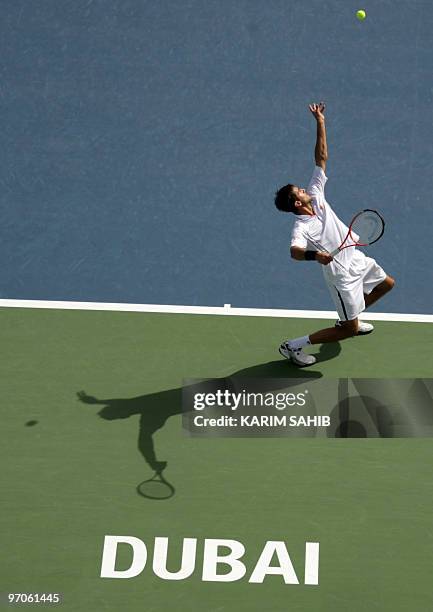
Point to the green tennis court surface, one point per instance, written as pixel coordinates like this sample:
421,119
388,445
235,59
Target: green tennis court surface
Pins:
70,478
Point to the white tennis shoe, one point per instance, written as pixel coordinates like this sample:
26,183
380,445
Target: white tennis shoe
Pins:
298,356
364,328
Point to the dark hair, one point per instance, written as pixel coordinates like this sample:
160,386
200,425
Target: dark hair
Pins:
285,199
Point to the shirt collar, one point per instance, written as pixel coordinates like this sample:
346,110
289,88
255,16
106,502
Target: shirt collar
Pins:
305,218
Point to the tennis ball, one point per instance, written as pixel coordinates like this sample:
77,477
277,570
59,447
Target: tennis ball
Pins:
361,15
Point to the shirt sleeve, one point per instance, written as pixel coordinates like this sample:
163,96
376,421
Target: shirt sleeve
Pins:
317,182
298,238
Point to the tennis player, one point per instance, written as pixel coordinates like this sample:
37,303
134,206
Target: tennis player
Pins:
354,280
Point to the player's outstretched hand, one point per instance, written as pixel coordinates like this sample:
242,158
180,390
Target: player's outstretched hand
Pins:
323,258
86,399
318,110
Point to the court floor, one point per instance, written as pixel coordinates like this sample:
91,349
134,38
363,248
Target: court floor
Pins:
71,468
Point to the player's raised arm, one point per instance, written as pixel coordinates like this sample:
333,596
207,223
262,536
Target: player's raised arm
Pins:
321,150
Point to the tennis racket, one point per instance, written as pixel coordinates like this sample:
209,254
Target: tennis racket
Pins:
365,228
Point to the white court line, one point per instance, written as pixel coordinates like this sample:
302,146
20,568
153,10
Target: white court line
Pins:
212,310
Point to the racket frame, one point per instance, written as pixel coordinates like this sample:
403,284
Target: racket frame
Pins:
349,233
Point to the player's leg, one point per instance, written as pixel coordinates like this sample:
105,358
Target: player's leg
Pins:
292,349
349,302
346,329
376,282
378,291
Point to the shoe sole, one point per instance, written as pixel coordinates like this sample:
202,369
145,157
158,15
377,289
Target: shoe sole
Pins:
299,365
285,356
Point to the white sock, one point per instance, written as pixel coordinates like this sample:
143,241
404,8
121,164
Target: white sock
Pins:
298,343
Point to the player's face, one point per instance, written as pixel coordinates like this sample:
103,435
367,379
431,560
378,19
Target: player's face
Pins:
301,195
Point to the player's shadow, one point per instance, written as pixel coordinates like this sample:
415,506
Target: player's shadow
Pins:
154,409
327,352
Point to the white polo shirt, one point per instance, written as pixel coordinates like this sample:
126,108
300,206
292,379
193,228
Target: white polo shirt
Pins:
323,230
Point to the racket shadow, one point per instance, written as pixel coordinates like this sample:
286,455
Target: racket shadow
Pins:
157,488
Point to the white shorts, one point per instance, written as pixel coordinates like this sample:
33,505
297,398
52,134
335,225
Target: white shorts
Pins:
347,287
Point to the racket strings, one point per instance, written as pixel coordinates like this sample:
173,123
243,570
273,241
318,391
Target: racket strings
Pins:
368,227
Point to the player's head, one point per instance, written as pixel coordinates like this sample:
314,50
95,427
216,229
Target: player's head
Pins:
292,198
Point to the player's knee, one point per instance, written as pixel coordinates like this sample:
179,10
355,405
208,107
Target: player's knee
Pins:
390,282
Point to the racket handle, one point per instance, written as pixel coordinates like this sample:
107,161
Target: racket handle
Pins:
334,252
